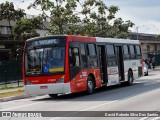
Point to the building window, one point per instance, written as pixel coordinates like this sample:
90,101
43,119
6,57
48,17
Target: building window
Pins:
148,48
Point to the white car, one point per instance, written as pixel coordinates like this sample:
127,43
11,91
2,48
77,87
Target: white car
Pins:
145,69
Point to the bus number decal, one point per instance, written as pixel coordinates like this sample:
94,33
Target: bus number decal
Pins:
84,74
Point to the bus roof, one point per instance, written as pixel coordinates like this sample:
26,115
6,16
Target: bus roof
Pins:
50,36
115,40
98,39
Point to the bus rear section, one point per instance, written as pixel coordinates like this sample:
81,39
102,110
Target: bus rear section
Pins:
120,60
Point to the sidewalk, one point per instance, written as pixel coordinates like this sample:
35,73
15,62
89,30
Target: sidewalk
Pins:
11,90
157,68
14,87
12,97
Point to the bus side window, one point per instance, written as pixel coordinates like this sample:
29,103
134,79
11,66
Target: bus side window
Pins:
92,55
125,51
74,57
111,56
132,51
138,52
74,62
83,55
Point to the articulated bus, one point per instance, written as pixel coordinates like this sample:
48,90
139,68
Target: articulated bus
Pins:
65,64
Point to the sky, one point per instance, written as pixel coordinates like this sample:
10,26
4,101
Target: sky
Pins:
143,13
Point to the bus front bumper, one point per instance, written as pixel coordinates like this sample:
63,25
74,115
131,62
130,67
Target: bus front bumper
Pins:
42,89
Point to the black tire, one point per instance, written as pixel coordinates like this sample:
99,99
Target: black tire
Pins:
130,78
53,95
90,85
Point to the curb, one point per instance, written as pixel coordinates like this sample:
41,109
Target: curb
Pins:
14,98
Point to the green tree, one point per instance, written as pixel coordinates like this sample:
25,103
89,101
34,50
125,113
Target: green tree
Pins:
121,28
90,17
157,37
96,20
26,28
8,12
61,14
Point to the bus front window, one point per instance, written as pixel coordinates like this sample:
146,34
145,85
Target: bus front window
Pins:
45,60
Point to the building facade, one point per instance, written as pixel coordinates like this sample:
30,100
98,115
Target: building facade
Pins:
8,46
149,42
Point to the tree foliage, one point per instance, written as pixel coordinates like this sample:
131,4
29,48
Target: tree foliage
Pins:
26,28
8,12
90,17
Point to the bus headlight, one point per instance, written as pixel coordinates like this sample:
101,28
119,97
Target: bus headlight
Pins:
28,82
61,80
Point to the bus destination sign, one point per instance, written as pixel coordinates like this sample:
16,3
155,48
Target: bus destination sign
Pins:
45,42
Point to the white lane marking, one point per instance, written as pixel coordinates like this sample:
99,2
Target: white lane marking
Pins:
84,110
157,118
99,105
143,118
19,106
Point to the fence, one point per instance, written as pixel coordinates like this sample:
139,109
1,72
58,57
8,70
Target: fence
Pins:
10,71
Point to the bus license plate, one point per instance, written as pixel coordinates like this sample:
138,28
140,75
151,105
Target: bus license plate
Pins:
43,87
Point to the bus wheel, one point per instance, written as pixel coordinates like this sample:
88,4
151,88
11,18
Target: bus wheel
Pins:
53,95
90,85
130,78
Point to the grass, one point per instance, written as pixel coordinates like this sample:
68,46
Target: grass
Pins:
14,93
10,87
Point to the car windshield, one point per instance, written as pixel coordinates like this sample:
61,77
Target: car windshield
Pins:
46,60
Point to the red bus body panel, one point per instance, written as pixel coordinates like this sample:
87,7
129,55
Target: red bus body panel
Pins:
79,83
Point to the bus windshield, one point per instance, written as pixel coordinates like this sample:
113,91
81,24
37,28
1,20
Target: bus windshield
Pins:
45,60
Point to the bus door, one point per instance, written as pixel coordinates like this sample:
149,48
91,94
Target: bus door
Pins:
102,63
75,66
119,56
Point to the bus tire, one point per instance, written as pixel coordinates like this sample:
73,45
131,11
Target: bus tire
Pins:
90,85
53,95
130,78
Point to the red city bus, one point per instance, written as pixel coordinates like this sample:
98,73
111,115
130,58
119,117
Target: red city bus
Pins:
66,64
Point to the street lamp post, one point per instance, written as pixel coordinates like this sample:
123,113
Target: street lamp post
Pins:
137,31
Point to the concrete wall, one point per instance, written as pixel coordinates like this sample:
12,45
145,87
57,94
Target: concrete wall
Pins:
148,47
158,46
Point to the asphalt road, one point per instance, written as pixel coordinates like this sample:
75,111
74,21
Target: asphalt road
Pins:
143,95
